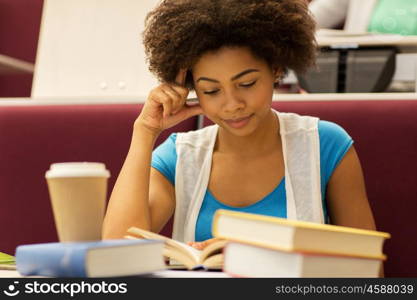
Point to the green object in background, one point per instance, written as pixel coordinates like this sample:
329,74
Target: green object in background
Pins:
6,259
395,16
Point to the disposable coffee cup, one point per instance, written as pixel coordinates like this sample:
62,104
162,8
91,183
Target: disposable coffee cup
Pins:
78,192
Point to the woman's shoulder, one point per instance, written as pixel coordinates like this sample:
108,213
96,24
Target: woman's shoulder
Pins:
331,130
333,139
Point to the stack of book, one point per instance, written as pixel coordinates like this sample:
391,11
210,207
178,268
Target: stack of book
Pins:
263,246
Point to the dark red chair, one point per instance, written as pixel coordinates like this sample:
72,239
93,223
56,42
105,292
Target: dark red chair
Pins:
33,137
385,137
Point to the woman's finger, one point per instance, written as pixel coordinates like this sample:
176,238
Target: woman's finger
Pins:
161,97
177,100
182,91
186,112
193,110
180,78
203,244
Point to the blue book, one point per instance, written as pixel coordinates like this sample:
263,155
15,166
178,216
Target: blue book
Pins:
109,258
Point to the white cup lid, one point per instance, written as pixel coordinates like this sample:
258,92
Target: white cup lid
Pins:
77,169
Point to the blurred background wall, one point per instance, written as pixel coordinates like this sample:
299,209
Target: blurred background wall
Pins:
19,31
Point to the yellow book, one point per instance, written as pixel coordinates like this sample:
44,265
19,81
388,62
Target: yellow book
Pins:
290,235
7,262
182,255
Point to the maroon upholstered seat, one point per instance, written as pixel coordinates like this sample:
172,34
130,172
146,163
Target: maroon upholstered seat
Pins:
385,137
33,137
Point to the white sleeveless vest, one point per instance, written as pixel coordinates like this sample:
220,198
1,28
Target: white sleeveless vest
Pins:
301,149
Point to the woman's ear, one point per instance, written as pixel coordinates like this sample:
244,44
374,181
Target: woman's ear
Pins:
278,74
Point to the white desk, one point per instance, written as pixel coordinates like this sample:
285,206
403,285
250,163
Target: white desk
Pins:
187,274
406,60
341,38
159,274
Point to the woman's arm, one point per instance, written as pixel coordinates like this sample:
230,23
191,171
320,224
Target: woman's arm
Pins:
132,202
347,201
346,195
143,197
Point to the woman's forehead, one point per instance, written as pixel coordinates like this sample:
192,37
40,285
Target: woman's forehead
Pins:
227,58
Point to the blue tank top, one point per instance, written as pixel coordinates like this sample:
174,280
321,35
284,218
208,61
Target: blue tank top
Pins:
334,143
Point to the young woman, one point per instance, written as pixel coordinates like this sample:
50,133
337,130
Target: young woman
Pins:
254,159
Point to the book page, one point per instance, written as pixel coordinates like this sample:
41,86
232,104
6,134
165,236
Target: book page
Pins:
212,249
7,266
178,259
186,250
214,262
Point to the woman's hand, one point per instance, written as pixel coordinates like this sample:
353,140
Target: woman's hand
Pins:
203,244
166,107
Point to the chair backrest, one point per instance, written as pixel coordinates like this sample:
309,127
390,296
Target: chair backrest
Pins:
33,137
385,137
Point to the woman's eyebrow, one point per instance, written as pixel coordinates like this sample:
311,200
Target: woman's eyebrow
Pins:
243,73
237,76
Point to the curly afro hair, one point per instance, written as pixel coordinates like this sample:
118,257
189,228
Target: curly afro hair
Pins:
178,32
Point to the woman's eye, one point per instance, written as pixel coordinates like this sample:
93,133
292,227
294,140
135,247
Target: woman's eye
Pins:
212,92
248,84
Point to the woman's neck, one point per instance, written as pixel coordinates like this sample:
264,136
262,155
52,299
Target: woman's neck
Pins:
264,139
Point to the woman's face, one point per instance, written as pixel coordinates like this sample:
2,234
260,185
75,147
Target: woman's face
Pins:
234,89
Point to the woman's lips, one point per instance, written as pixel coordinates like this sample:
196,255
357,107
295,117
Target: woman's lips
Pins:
238,123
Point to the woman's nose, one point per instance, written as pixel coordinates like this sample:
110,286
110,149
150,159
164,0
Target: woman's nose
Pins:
233,103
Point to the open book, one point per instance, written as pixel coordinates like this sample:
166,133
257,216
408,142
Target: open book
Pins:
182,255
